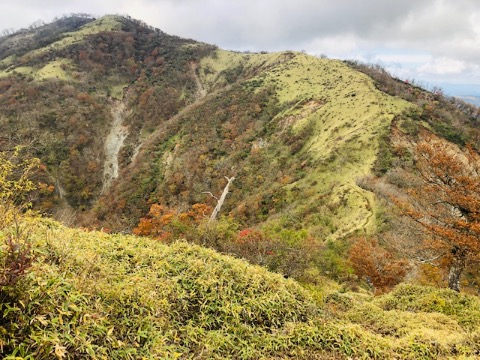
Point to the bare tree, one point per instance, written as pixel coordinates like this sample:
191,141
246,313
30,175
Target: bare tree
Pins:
220,200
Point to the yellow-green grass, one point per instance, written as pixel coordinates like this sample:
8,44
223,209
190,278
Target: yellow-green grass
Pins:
418,322
117,91
24,70
343,116
121,296
346,115
221,60
100,296
8,61
58,69
212,69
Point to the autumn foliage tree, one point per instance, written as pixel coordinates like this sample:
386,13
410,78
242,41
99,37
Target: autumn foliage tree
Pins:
447,203
376,265
163,223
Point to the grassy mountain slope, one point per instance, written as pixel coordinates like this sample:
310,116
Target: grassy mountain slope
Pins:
296,131
95,295
109,102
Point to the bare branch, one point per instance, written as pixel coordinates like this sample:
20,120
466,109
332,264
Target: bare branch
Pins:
210,193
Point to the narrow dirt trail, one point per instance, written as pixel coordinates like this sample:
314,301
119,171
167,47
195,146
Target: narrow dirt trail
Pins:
113,144
369,207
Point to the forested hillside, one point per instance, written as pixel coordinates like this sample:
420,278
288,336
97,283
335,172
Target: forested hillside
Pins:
114,102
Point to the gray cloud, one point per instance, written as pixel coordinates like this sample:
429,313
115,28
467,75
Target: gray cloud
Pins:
446,32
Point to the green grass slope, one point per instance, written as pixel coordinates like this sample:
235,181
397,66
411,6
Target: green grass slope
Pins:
99,296
193,115
296,131
345,115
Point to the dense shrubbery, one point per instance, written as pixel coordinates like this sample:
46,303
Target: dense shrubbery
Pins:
90,294
376,265
289,252
16,253
185,300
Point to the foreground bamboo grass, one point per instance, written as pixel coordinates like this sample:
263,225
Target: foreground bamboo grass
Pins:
94,295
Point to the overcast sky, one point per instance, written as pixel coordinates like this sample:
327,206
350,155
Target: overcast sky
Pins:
432,41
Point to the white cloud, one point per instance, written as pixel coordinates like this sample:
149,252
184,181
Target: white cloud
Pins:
443,66
337,46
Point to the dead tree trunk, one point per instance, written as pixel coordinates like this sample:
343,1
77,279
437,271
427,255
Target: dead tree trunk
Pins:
222,199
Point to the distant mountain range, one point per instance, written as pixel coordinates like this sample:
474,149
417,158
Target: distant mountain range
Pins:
467,92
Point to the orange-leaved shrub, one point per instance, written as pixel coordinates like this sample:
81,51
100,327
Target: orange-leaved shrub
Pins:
376,265
166,224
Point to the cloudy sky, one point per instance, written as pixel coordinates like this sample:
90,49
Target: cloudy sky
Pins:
435,42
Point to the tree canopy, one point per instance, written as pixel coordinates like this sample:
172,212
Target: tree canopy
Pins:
447,203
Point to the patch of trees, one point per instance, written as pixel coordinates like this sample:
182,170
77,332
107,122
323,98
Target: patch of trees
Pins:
230,134
435,186
63,126
218,137
292,253
376,265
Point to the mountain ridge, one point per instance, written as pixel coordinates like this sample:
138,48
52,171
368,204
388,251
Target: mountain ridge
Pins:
299,133
324,104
